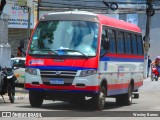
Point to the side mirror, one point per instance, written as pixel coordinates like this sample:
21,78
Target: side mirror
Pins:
104,47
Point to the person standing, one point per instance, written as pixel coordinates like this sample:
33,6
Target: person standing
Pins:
149,65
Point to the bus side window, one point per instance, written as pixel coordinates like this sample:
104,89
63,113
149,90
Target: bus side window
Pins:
104,42
112,40
120,41
134,44
140,45
128,43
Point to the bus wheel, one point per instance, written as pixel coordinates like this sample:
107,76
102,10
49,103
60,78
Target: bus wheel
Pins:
35,99
125,99
99,99
128,96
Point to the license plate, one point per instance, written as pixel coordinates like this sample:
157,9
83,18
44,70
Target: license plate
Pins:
56,81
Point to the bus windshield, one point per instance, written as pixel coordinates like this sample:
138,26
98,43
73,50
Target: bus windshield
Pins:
69,38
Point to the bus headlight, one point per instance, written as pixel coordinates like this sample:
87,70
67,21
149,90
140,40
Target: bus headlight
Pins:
31,71
87,73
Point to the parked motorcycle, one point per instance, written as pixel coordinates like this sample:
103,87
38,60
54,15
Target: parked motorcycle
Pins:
154,73
7,83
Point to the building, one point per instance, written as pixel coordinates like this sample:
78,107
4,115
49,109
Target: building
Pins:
18,23
134,13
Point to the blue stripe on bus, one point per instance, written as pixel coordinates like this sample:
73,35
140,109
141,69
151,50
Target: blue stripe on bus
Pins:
109,93
69,91
59,68
122,59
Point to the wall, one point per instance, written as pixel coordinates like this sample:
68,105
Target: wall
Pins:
14,37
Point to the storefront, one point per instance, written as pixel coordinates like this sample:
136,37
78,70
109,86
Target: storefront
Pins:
18,23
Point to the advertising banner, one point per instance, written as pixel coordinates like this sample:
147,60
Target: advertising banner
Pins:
18,16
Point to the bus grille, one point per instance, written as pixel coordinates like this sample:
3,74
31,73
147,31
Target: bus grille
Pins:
66,76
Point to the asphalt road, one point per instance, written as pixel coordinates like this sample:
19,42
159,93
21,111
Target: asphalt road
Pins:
147,104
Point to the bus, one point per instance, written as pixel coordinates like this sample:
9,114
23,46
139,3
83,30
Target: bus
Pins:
78,56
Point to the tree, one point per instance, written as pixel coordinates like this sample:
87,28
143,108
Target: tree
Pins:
2,4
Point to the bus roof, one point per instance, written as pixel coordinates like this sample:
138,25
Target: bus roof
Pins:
120,24
71,15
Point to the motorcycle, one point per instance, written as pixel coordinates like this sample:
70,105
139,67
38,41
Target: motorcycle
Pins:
7,83
154,73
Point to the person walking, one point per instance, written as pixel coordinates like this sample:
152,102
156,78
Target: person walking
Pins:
149,65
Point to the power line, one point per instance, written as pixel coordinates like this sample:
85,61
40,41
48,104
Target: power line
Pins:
95,5
75,3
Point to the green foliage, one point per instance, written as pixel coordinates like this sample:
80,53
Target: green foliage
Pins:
46,29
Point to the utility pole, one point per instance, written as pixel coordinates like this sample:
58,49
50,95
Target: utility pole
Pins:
149,12
29,22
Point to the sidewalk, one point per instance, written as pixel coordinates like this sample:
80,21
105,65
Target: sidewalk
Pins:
20,94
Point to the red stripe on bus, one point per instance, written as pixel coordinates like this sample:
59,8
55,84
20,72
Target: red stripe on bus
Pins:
124,56
138,84
117,86
123,86
89,88
72,87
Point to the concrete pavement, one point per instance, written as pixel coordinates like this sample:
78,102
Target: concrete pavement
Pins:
21,93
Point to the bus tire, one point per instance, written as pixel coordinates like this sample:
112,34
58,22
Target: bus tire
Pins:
99,99
125,99
35,99
128,97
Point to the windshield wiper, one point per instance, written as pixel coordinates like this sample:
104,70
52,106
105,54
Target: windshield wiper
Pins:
70,50
54,51
50,51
